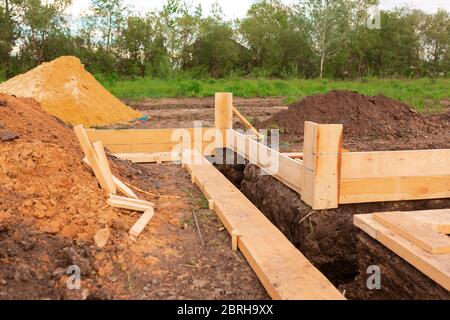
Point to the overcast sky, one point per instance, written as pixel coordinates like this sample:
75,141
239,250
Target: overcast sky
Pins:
238,8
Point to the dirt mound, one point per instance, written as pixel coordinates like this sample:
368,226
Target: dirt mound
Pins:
66,90
363,117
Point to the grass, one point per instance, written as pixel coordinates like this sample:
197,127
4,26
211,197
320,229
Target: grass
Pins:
423,94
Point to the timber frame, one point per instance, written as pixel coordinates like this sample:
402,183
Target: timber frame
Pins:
326,176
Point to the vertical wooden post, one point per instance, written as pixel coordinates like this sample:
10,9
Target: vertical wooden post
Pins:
322,165
223,116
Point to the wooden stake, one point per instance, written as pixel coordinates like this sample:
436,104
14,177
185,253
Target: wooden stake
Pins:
92,158
223,117
104,165
234,240
321,165
211,204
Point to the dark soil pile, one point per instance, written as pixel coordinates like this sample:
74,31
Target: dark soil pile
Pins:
363,117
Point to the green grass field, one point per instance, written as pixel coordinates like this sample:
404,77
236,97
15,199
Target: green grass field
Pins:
426,95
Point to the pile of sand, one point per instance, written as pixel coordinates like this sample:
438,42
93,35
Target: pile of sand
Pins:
66,90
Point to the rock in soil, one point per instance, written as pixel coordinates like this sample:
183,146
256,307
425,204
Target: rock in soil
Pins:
101,237
6,136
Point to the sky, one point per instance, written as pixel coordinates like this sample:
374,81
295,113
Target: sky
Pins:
238,8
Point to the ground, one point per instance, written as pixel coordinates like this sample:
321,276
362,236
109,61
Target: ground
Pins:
51,208
43,230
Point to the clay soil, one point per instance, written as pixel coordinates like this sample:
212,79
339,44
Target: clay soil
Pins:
51,207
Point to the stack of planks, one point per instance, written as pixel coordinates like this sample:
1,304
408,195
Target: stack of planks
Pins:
96,158
419,237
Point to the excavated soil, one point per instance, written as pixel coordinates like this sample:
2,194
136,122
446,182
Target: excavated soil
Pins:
51,207
331,242
370,123
66,90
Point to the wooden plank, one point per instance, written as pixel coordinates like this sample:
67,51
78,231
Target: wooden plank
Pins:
122,187
149,157
394,189
150,136
286,170
134,201
436,267
429,240
92,158
381,164
294,155
119,184
246,123
128,205
438,220
141,223
104,165
282,269
206,147
223,110
322,158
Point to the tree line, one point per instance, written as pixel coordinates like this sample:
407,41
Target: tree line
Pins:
313,38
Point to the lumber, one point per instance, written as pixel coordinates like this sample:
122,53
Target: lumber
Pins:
246,123
155,140
394,189
104,165
92,158
141,223
438,220
119,184
286,170
429,240
143,157
381,164
130,200
321,164
280,266
128,205
436,267
122,187
223,110
294,155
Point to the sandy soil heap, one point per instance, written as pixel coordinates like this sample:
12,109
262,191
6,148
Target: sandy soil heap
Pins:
66,90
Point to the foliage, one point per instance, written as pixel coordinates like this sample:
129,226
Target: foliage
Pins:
309,39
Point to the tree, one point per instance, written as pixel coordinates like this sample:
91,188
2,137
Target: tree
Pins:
436,40
38,20
110,16
215,50
328,26
275,38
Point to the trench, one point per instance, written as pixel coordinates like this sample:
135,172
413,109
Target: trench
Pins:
332,243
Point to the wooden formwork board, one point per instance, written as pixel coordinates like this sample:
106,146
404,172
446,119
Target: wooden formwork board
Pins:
435,266
394,175
282,269
156,140
280,166
157,157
